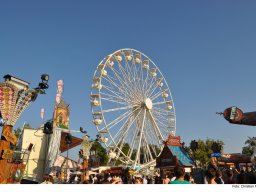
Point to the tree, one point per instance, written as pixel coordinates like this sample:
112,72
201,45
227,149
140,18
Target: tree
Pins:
101,152
17,132
187,149
204,150
247,150
125,149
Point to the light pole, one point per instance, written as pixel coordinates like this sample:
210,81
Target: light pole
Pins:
68,140
15,97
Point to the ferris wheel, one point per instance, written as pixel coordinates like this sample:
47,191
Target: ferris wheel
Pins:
132,107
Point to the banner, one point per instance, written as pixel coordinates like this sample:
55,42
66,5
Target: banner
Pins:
42,113
60,86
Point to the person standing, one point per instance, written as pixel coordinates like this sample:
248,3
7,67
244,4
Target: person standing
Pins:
145,181
179,173
230,177
210,175
166,179
218,178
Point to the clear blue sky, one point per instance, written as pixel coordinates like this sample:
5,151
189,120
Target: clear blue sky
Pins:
205,50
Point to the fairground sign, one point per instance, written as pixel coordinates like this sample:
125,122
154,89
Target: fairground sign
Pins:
174,141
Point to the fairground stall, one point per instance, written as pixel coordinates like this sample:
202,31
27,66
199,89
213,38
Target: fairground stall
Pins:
173,154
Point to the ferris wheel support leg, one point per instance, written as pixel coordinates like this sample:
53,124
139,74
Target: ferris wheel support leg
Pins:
141,134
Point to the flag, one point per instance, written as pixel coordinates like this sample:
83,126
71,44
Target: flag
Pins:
42,113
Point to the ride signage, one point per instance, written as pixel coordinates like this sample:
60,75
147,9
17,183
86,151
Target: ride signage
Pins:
9,136
174,141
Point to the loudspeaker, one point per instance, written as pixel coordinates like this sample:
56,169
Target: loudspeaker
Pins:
48,128
68,138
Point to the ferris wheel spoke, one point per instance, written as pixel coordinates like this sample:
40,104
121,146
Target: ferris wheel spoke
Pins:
126,89
110,81
159,103
158,94
113,101
163,114
148,88
128,124
124,84
151,132
128,69
160,110
116,109
147,146
122,138
152,146
135,75
134,135
124,72
139,78
113,92
116,121
113,97
155,125
145,82
155,86
131,78
161,123
162,120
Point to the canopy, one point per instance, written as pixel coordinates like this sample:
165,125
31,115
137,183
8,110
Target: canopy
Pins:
75,142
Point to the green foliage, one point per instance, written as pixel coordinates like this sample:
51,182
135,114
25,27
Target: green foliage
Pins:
187,149
101,152
247,150
17,132
203,152
125,150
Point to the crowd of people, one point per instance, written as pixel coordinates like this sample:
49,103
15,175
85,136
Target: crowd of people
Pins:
212,175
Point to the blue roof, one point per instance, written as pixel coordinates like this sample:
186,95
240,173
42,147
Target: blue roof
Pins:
181,154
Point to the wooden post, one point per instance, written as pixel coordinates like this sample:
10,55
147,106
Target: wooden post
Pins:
85,168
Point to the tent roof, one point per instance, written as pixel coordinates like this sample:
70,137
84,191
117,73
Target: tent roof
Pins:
182,155
75,142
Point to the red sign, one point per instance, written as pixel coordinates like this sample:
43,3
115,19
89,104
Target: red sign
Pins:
233,114
174,141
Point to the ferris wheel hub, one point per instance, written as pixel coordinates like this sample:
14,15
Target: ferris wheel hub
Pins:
148,103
